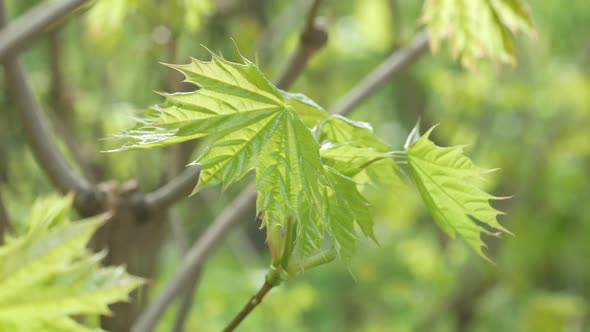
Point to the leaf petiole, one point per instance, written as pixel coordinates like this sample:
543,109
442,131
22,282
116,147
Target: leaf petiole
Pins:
321,258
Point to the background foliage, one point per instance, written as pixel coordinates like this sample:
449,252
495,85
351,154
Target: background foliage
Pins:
531,121
48,275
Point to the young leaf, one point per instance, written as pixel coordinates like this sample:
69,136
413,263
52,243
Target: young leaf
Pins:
254,126
446,180
352,149
310,112
477,28
346,200
340,130
343,208
47,274
350,160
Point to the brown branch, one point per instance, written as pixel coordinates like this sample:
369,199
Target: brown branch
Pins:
62,102
396,62
5,225
38,133
196,257
313,38
250,305
280,26
32,24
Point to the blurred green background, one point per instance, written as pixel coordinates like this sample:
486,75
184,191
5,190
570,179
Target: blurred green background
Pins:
531,121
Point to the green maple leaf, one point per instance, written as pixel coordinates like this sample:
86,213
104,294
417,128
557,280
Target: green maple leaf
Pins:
47,274
477,28
447,181
340,130
351,147
253,126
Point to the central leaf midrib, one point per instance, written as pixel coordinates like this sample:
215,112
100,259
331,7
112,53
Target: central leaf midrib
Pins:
247,142
190,121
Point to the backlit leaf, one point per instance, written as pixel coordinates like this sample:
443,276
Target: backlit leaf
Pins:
447,181
477,28
47,274
254,126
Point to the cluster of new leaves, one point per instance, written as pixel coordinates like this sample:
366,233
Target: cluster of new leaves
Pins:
47,274
477,28
308,164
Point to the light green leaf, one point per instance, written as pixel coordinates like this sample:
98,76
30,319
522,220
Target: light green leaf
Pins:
447,181
47,274
289,171
310,112
348,209
254,126
340,130
343,208
350,160
477,28
353,149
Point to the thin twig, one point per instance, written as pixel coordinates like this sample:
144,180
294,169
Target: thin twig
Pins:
32,24
396,62
250,305
38,133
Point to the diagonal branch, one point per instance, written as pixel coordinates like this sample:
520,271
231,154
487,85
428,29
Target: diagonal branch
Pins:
38,133
32,24
313,38
250,305
179,187
375,80
233,214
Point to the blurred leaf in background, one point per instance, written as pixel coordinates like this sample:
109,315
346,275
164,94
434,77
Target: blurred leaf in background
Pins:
47,275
